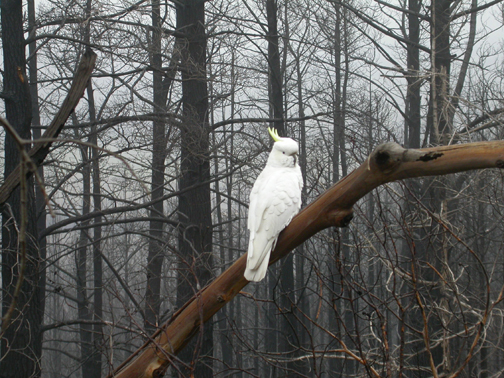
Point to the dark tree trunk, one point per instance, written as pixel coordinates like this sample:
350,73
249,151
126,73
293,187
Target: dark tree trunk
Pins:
440,202
97,253
224,317
288,335
413,187
162,82
303,306
195,230
480,229
339,161
156,254
275,74
91,364
441,62
271,334
430,245
21,344
412,138
39,196
413,104
85,330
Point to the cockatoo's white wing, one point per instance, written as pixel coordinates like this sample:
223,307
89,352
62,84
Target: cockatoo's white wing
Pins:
274,200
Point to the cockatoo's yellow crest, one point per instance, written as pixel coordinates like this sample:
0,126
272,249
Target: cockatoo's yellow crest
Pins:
274,134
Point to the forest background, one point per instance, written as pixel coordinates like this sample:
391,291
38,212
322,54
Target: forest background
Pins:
148,184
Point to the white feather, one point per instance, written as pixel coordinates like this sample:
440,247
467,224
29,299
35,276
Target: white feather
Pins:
274,200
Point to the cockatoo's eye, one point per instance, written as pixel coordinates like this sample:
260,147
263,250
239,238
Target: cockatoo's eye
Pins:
283,152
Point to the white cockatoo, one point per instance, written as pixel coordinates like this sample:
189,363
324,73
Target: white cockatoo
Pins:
274,200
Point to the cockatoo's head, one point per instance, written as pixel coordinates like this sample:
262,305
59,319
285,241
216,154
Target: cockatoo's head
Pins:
284,152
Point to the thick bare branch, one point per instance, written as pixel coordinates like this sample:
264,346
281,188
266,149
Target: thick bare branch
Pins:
40,150
389,162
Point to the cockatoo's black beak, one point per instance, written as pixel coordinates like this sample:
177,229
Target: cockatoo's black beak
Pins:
295,156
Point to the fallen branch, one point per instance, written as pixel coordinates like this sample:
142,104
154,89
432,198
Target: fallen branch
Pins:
389,162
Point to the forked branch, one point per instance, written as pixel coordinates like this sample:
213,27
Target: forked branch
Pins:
389,162
40,150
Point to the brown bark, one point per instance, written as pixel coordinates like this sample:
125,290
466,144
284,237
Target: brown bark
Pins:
389,162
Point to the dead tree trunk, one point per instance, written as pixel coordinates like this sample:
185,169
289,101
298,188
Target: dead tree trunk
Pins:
21,342
25,360
155,257
195,229
275,74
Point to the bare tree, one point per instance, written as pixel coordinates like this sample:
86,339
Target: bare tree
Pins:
22,310
173,135
194,208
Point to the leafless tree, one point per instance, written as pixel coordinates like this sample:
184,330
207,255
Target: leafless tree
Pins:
148,186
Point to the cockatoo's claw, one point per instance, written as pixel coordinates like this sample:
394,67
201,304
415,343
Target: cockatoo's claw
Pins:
274,134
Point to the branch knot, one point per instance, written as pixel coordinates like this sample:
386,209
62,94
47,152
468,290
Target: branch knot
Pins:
387,156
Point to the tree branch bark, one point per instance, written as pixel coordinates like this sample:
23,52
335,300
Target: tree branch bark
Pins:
389,162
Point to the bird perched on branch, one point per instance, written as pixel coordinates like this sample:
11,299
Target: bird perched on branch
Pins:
274,200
